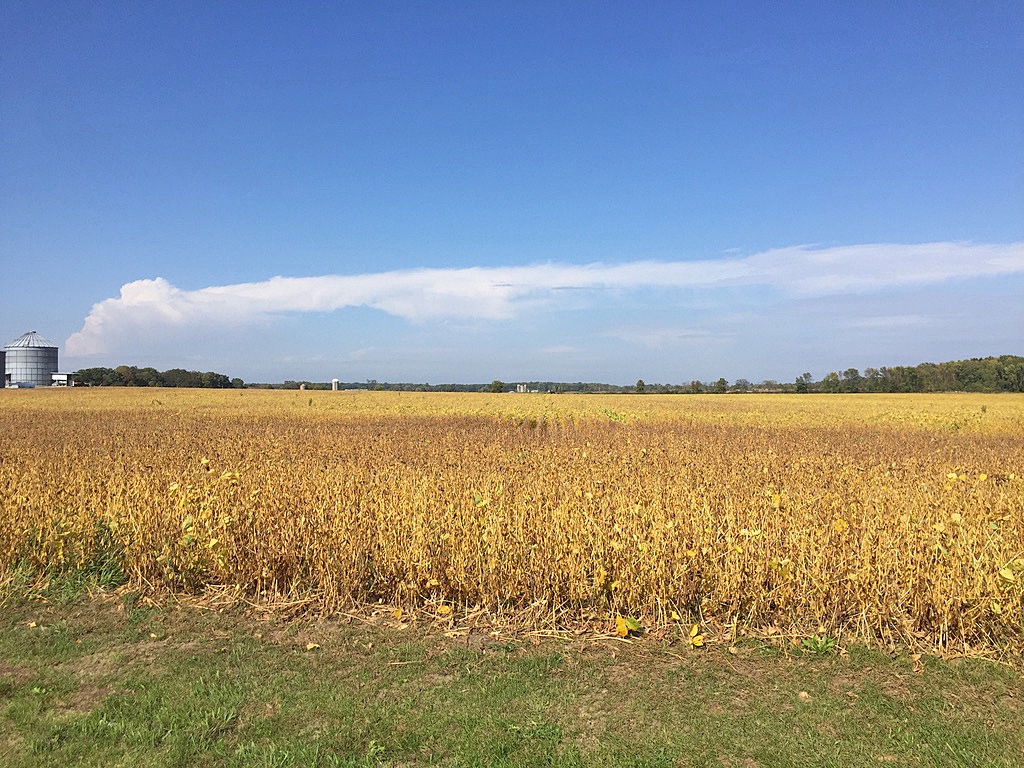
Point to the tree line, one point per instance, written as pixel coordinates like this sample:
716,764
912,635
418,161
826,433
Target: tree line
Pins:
983,374
130,376
980,374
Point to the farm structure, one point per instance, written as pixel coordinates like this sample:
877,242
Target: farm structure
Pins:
31,361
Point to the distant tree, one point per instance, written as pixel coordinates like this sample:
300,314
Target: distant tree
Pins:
742,385
900,378
831,382
872,381
640,386
496,386
852,380
721,387
1010,374
126,375
211,380
179,377
94,377
803,382
147,377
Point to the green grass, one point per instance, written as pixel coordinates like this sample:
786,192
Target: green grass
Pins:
114,682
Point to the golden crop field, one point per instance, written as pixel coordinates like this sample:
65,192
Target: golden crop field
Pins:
899,517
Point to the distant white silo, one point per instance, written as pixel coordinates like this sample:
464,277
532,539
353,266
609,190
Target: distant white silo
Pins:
334,384
30,359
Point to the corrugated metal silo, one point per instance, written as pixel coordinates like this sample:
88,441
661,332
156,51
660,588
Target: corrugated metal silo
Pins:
3,364
31,359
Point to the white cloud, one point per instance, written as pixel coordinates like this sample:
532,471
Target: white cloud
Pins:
864,268
501,293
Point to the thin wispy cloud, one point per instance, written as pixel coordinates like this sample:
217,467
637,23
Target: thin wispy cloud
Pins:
153,306
887,322
872,267
658,337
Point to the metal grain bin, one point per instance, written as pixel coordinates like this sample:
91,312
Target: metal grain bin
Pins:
31,359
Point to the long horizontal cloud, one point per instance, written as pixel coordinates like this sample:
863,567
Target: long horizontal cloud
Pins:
497,293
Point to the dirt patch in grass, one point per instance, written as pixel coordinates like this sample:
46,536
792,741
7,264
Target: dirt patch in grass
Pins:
101,664
85,698
592,713
12,674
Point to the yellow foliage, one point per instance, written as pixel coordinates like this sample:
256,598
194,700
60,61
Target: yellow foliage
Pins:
696,638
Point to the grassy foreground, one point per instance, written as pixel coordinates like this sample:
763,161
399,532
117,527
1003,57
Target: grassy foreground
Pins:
118,681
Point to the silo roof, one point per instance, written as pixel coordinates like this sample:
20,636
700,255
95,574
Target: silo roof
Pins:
31,339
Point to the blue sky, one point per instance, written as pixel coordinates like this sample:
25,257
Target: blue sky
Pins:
461,192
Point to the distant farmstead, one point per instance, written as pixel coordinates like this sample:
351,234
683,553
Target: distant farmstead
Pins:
31,361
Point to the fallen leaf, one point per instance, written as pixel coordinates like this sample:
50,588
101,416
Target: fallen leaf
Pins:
312,646
696,638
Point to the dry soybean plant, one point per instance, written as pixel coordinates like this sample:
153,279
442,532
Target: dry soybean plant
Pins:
898,518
